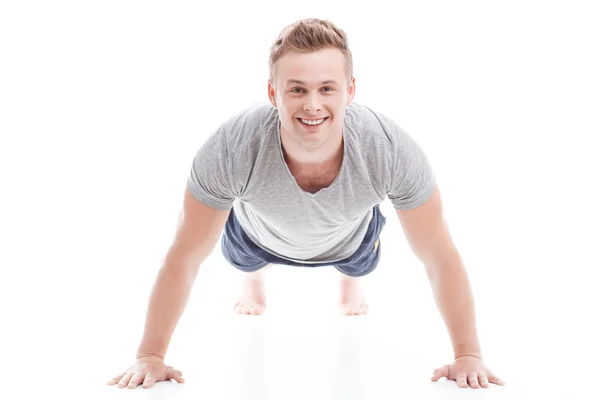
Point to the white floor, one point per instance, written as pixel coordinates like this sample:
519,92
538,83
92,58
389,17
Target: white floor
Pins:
300,349
344,358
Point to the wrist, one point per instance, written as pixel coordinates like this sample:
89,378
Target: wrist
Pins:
469,355
153,356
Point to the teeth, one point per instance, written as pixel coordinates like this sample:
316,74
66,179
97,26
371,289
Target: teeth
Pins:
312,122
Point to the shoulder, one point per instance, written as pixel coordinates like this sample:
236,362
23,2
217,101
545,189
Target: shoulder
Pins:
243,126
371,124
248,124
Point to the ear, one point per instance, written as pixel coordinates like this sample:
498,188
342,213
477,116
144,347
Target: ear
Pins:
271,94
351,91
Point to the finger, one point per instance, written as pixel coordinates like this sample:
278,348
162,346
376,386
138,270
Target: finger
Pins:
494,379
461,380
116,379
175,374
125,380
148,382
483,380
440,372
135,380
473,381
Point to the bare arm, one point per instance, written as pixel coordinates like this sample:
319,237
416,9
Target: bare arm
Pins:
429,238
199,227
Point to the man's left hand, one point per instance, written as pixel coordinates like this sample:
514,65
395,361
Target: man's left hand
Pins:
467,369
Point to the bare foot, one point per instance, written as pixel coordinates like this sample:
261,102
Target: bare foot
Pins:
252,301
352,300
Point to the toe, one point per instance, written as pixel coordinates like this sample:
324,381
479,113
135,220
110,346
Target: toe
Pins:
239,308
257,309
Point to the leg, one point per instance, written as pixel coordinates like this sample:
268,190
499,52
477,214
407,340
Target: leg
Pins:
252,300
352,299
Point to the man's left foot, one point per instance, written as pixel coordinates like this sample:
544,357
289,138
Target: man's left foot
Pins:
352,300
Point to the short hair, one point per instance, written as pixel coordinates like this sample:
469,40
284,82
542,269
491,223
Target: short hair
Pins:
308,35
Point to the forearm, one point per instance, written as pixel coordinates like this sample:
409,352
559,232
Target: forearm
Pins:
454,299
167,302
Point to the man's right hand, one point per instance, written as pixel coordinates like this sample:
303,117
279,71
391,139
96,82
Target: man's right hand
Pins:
147,370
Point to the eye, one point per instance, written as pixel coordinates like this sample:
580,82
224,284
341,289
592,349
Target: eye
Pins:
300,90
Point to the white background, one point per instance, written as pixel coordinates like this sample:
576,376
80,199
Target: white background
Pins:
104,104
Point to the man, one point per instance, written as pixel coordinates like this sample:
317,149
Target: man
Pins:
298,181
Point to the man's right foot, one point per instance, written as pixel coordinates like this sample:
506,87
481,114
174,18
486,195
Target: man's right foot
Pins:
252,300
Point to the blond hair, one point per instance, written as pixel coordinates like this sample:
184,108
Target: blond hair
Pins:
308,35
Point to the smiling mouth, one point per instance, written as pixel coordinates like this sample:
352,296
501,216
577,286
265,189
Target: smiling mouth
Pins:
312,122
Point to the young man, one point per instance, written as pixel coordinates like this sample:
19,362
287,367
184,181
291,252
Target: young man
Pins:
298,181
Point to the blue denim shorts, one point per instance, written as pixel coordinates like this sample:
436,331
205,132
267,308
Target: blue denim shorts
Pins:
241,252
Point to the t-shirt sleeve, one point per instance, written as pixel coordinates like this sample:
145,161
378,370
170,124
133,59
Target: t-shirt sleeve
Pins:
210,178
412,176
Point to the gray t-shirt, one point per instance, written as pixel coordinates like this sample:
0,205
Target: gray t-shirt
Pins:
241,165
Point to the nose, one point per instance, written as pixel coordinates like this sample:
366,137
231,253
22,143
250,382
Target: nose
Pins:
312,104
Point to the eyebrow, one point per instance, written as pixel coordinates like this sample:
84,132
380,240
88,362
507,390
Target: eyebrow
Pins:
304,83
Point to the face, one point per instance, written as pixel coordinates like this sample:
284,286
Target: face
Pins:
309,88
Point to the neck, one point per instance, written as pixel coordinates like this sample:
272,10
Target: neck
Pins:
330,153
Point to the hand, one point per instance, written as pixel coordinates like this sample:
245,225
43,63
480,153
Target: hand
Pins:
467,368
149,370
